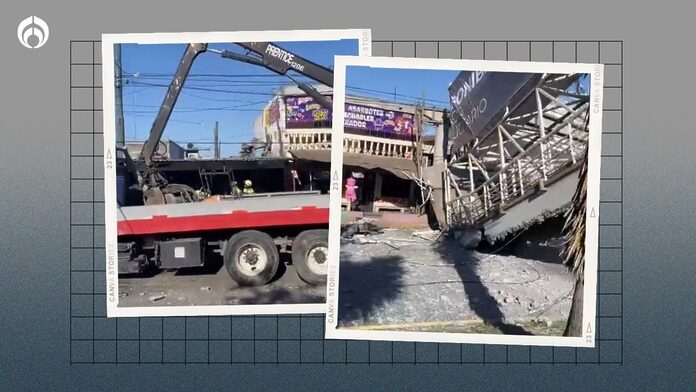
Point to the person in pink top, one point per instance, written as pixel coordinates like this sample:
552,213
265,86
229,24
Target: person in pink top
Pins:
350,192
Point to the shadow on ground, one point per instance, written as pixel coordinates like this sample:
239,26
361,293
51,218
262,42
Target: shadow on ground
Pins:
370,284
278,295
480,299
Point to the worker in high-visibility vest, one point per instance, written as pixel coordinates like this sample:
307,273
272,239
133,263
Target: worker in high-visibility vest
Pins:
248,190
202,194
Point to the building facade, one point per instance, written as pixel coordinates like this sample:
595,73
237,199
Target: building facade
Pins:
385,144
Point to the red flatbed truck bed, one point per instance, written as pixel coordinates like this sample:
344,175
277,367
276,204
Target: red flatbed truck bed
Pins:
247,231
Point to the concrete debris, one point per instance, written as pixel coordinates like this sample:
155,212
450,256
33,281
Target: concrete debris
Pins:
390,245
363,240
426,232
360,226
514,231
428,235
216,288
156,297
428,281
349,232
553,242
468,238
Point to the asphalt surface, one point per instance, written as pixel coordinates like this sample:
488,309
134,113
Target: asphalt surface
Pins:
437,285
213,286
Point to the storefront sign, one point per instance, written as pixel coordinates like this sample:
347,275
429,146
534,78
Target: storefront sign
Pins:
304,111
480,99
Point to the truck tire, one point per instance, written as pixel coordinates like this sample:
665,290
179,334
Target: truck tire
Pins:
251,258
310,255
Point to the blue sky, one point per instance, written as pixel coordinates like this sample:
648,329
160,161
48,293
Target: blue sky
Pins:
240,90
405,85
234,93
401,85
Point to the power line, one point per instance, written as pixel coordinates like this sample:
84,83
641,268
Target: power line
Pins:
209,108
392,94
139,115
207,89
239,83
197,110
170,75
187,93
369,94
253,83
135,91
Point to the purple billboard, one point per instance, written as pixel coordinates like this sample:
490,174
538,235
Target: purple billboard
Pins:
303,111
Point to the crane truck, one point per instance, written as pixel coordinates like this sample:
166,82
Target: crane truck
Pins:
170,226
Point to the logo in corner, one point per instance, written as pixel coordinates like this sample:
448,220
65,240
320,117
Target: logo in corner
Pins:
32,32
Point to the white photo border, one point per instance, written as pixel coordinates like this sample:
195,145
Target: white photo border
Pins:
364,37
596,72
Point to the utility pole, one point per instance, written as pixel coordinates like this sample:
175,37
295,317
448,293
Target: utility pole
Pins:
216,142
118,78
417,141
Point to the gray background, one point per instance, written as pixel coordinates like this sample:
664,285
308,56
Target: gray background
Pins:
299,339
658,196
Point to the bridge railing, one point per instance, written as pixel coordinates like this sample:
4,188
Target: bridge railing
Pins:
546,159
518,179
320,139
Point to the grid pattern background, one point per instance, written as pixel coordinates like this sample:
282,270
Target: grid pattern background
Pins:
298,339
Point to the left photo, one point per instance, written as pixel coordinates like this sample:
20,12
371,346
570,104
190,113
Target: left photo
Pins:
210,209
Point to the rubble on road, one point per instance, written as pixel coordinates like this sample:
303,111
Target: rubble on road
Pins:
156,297
178,288
363,226
432,278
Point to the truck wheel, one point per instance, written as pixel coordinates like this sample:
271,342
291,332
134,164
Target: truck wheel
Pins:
251,258
310,253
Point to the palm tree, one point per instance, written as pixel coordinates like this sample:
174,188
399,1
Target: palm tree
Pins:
574,252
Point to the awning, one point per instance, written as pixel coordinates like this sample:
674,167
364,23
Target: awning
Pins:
396,166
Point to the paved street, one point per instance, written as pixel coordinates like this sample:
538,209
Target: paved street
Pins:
213,286
438,286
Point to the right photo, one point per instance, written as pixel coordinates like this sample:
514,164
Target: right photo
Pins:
465,201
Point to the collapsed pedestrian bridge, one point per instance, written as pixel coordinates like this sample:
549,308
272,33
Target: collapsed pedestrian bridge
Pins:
515,144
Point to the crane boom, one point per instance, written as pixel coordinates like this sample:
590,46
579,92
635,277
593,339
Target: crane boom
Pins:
165,111
263,54
280,61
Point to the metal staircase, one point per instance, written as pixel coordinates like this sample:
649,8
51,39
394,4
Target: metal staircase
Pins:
522,156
